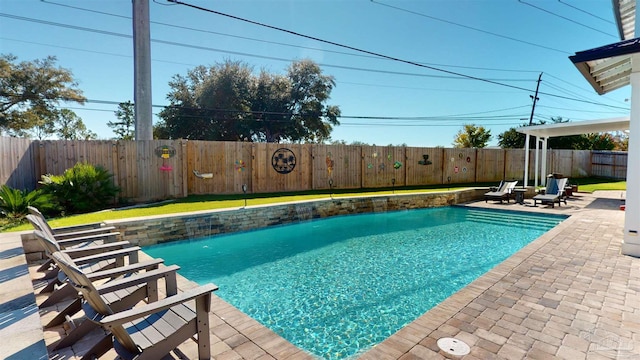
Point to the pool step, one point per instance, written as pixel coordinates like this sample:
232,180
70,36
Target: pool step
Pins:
513,219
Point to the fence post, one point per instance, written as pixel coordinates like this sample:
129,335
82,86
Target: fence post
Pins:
184,160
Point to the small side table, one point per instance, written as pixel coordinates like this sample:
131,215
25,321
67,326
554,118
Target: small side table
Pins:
520,195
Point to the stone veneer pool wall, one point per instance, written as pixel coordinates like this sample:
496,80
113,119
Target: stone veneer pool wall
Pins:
158,229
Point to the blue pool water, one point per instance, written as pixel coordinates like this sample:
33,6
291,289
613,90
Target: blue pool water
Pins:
337,286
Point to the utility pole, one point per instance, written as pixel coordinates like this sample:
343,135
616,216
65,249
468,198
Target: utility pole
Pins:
142,70
527,139
535,99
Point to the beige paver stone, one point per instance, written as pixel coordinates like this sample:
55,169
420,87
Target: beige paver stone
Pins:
511,352
424,353
249,350
566,352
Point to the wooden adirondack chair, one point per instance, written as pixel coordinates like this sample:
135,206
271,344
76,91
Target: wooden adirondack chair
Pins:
149,331
91,258
123,293
69,239
71,231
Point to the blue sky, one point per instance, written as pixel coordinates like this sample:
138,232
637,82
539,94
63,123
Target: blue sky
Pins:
505,41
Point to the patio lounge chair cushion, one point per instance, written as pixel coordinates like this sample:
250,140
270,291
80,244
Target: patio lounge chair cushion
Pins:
554,193
502,193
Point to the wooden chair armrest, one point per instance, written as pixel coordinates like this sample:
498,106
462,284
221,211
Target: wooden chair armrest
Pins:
139,278
106,238
148,309
124,270
85,232
120,253
96,249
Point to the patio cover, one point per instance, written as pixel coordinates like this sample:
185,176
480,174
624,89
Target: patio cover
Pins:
608,67
576,128
544,132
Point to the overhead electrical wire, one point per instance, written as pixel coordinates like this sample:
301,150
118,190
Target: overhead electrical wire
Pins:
309,37
566,18
455,117
468,27
291,32
586,12
275,42
378,54
455,76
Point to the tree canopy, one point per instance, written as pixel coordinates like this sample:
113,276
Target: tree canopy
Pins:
124,128
228,102
30,92
472,136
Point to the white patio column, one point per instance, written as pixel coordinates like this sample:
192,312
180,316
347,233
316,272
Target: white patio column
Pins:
537,162
543,175
631,238
526,160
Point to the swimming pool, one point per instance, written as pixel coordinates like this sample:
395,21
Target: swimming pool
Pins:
337,286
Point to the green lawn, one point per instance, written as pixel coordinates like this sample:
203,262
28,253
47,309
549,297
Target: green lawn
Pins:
211,202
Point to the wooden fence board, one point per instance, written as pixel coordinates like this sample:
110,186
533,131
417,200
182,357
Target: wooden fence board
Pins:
459,166
383,166
490,165
145,175
514,165
339,164
18,163
424,166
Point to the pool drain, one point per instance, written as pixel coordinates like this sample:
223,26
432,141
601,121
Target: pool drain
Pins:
453,346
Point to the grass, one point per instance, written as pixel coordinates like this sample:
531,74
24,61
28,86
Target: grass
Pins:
212,202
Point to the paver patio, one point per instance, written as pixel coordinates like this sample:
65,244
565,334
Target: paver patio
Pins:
567,295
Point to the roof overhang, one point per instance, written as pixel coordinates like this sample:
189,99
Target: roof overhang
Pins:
608,67
625,13
576,128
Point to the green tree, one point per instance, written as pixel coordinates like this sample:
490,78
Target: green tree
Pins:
601,141
31,91
227,102
472,136
69,126
125,127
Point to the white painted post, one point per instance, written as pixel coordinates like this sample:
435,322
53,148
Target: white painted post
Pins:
631,238
543,175
537,162
526,160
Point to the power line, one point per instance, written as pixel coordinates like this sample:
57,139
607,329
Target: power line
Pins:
277,43
198,47
565,18
468,27
459,75
454,117
344,46
586,12
377,54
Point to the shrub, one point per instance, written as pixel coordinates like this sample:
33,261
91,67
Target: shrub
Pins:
82,188
14,202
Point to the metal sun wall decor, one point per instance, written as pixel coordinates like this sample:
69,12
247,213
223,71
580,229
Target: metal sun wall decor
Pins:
283,161
165,152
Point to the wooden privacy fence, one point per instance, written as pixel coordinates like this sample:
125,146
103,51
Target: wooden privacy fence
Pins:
609,164
160,169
